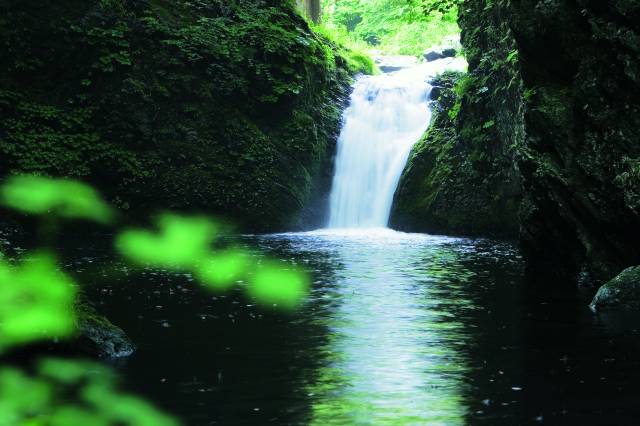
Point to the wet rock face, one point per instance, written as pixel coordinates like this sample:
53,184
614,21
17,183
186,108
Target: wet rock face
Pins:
452,184
577,68
622,292
100,337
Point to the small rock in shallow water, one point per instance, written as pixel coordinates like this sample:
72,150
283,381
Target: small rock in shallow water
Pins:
108,340
101,337
622,292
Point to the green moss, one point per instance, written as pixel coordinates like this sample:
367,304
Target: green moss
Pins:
228,107
360,63
555,104
352,54
458,179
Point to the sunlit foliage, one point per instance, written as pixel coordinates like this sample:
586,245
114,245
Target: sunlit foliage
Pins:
393,26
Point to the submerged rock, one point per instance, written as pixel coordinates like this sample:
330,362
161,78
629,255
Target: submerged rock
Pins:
622,292
99,336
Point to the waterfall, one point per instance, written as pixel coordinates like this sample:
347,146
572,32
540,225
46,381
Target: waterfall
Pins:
387,115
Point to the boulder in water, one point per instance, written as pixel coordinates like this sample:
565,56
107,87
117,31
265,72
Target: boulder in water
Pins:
99,336
440,53
391,63
622,292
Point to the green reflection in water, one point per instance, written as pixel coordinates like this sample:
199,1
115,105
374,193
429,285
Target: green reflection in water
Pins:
393,355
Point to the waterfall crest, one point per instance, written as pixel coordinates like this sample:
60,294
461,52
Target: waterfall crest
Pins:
387,115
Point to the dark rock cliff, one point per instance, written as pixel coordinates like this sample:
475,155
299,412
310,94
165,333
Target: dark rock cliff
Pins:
551,105
462,178
227,107
580,64
457,180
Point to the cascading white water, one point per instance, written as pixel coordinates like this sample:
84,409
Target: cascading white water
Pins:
387,115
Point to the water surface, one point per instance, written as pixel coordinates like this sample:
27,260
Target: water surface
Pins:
399,329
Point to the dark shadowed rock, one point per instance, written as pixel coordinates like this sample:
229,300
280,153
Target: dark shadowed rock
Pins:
387,69
436,92
622,292
433,55
554,87
449,52
391,63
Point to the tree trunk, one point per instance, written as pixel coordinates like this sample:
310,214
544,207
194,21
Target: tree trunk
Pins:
311,8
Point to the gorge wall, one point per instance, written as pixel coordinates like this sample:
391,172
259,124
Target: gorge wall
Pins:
580,162
462,177
548,118
228,107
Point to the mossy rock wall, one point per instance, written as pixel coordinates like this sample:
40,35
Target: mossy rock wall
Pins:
226,107
462,177
557,86
550,108
580,64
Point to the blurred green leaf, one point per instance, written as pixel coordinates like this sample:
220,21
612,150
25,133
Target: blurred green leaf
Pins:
66,198
221,270
181,243
36,302
20,396
124,409
76,416
71,393
273,284
74,372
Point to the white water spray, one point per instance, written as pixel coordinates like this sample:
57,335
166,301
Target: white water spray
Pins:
387,115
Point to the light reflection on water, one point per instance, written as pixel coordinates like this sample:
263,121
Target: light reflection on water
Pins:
392,356
400,329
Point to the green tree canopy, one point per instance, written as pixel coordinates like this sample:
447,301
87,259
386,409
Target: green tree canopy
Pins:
394,26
